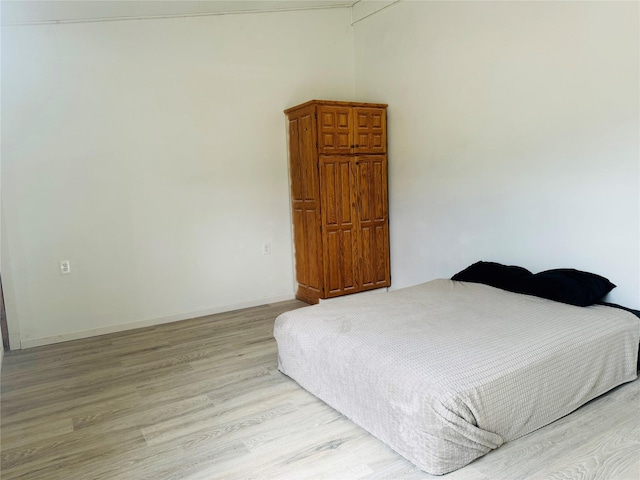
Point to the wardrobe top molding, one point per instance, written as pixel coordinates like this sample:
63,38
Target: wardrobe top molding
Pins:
337,104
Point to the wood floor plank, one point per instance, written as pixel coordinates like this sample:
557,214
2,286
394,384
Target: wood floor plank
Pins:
75,449
73,391
202,399
211,425
631,472
25,433
66,407
143,416
605,456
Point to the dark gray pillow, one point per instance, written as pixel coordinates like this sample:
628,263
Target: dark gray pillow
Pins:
566,285
497,275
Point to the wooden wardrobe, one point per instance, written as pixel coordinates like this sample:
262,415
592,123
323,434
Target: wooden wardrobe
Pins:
338,173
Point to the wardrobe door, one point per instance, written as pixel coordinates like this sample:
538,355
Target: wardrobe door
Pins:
373,232
339,223
370,130
335,135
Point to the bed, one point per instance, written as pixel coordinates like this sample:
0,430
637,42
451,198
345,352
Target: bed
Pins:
446,371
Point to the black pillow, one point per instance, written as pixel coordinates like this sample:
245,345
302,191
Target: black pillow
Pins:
494,274
566,285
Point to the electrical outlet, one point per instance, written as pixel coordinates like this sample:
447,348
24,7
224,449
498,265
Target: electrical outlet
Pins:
266,248
65,267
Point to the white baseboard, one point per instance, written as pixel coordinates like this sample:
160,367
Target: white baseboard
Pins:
93,332
14,341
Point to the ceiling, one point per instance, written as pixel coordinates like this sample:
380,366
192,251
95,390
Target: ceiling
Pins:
62,11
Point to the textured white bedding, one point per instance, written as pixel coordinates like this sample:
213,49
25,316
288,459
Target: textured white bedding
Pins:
446,371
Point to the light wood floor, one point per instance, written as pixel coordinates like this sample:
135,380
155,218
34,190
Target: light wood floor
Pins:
203,399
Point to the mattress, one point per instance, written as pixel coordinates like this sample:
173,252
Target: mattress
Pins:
446,371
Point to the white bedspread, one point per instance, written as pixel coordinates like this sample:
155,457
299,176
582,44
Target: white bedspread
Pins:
446,371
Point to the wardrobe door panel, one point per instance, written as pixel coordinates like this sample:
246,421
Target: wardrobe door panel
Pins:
313,251
340,277
305,206
295,167
301,256
308,158
382,272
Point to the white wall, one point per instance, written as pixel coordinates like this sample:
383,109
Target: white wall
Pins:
152,155
513,135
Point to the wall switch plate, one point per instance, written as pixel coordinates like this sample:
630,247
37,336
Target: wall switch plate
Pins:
266,248
65,267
